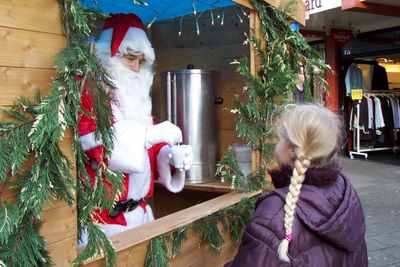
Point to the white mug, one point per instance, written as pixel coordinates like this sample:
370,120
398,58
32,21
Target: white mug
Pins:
178,153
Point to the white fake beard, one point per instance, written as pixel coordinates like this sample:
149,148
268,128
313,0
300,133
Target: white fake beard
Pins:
132,94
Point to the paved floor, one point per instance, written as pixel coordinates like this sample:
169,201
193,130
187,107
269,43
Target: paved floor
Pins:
378,186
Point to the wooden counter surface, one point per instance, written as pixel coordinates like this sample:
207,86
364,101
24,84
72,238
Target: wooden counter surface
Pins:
131,245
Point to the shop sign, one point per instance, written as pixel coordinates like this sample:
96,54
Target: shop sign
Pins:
341,36
316,6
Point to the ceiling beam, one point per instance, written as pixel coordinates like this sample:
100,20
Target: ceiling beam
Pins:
313,34
370,8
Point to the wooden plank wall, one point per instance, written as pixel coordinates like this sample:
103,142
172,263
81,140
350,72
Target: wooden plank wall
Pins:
214,49
30,36
131,245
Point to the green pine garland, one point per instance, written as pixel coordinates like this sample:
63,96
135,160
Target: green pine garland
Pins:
38,127
233,220
269,91
40,124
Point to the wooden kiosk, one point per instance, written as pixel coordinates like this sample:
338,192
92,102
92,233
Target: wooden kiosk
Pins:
31,35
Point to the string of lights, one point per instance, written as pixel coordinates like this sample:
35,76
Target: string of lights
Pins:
213,6
220,16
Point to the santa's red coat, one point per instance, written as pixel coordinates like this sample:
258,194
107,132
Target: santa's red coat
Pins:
87,125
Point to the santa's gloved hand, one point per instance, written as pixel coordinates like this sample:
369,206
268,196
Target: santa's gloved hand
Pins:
163,132
187,162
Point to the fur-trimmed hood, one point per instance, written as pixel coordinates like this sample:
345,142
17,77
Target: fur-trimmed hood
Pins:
328,204
314,176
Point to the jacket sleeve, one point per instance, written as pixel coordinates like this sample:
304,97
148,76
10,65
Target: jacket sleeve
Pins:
164,172
260,239
129,152
255,252
87,123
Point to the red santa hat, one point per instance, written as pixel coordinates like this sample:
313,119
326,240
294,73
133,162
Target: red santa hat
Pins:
122,32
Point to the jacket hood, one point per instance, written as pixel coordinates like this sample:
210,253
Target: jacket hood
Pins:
328,205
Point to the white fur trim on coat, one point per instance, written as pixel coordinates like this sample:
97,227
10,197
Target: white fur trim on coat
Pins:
173,183
88,141
129,152
135,39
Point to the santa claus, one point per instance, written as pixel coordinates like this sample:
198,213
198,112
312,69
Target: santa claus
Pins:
141,148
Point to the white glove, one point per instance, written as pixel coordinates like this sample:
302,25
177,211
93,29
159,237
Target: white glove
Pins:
188,161
163,132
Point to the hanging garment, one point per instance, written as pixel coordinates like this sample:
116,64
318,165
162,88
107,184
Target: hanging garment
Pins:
354,79
379,80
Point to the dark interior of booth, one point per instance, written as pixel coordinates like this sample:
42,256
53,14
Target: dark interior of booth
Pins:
366,51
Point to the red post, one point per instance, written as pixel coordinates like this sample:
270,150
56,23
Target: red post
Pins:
332,59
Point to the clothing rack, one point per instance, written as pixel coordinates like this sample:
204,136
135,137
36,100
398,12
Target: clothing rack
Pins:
362,151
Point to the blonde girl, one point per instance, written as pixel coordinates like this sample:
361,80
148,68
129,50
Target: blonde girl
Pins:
314,217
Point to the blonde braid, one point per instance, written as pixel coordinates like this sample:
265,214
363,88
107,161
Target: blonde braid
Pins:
315,134
301,165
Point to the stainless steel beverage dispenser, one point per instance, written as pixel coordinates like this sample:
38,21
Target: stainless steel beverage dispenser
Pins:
191,105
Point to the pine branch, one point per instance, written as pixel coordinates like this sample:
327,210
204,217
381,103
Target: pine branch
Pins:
97,244
176,239
28,246
38,127
157,253
209,233
78,55
233,219
9,216
269,90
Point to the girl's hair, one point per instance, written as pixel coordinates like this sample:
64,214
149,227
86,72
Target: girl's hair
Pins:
316,134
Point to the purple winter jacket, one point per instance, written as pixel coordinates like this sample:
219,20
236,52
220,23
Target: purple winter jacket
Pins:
328,229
